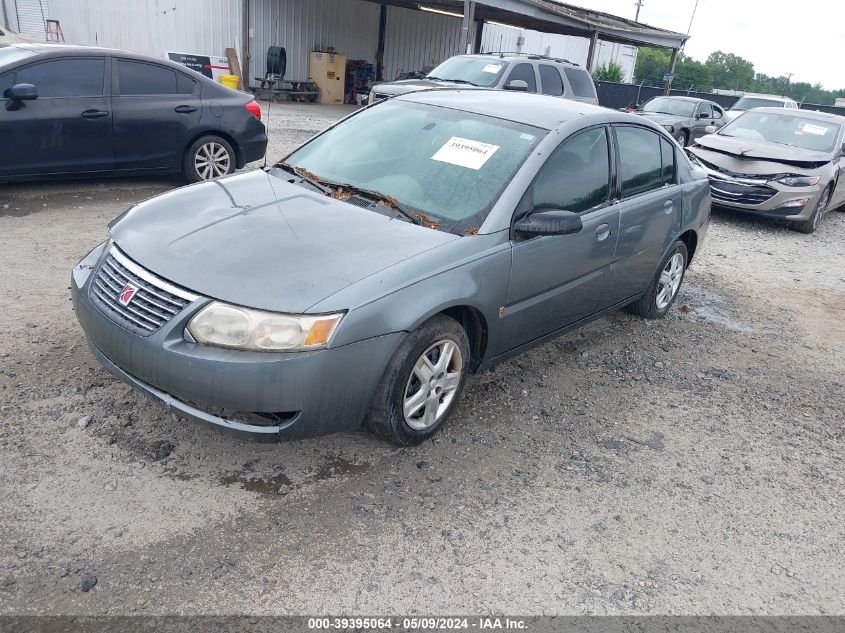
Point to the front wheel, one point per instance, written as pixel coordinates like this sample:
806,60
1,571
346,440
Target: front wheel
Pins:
810,225
682,137
663,289
422,383
208,157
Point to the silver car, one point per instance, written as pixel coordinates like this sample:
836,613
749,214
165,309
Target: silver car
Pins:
777,163
363,278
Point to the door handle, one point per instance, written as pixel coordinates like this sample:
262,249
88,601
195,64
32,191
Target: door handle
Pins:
667,206
94,114
602,231
185,109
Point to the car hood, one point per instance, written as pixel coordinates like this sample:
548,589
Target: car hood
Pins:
662,119
413,85
260,241
741,151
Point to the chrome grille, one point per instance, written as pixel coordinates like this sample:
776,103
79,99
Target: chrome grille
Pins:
154,303
740,193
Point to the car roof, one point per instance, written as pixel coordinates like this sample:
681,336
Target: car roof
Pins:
512,57
769,97
58,50
807,114
542,111
684,98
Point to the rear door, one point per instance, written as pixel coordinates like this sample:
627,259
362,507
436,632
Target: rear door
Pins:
551,82
583,88
156,111
718,116
558,280
649,207
68,128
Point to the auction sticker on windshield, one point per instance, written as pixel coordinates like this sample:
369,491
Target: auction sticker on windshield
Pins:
492,68
464,152
818,130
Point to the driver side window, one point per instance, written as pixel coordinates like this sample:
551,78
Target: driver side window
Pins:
577,177
6,82
705,111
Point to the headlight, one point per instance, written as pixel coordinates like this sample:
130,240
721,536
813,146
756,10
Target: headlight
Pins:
669,128
799,181
224,325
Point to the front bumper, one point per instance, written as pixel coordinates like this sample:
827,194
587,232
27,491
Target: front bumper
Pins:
295,395
763,198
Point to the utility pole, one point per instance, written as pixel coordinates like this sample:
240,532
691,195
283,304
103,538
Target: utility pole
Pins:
639,6
786,85
694,9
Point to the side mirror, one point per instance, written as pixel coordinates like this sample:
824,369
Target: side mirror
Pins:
704,115
23,92
517,84
549,222
710,129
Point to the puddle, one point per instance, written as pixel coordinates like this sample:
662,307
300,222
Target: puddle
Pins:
282,484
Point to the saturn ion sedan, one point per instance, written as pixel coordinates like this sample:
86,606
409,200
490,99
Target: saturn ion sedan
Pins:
363,278
777,163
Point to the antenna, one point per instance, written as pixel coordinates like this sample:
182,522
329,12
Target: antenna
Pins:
266,149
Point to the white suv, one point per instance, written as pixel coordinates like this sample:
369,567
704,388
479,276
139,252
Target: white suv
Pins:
503,71
758,101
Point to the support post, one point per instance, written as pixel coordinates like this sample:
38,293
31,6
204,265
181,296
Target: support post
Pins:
479,33
467,27
591,54
382,24
245,45
667,84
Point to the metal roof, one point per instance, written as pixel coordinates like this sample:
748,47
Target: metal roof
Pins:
550,16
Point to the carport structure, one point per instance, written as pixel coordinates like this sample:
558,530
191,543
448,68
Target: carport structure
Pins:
546,16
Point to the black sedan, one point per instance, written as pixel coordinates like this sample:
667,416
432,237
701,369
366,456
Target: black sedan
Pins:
68,111
685,118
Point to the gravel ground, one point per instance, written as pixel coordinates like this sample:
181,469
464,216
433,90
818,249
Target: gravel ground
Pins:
692,465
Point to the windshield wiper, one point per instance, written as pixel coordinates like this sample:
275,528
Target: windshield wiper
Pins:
305,175
389,201
452,81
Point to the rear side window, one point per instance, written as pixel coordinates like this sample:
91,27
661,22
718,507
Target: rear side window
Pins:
185,85
667,152
580,81
550,80
717,112
140,78
65,78
577,177
525,72
640,163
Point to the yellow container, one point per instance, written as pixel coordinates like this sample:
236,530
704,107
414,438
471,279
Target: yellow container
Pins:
230,81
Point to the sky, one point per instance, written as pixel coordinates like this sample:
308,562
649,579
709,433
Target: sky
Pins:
779,37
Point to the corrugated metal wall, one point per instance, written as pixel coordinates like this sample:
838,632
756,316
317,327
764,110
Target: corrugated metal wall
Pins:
30,18
576,49
151,27
350,26
418,40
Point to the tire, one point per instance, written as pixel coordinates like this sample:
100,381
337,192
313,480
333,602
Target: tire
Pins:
224,160
682,137
404,375
814,221
654,304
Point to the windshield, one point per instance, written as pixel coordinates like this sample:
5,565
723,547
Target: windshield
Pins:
784,129
746,103
11,54
448,165
666,105
478,71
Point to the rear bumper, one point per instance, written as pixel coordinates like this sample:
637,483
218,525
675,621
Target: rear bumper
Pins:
253,147
304,394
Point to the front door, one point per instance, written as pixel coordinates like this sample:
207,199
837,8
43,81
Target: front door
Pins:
156,111
558,280
68,128
704,117
649,207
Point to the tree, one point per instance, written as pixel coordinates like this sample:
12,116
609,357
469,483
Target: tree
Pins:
651,64
689,72
730,71
609,72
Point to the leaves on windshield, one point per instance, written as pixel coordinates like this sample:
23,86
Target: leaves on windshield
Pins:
473,230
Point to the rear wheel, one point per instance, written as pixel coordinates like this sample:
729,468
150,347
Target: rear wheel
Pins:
208,157
810,225
422,383
663,289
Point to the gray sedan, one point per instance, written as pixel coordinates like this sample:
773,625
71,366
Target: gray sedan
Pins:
363,278
685,118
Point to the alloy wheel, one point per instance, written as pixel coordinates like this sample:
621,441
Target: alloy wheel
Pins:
821,208
432,386
212,160
670,281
